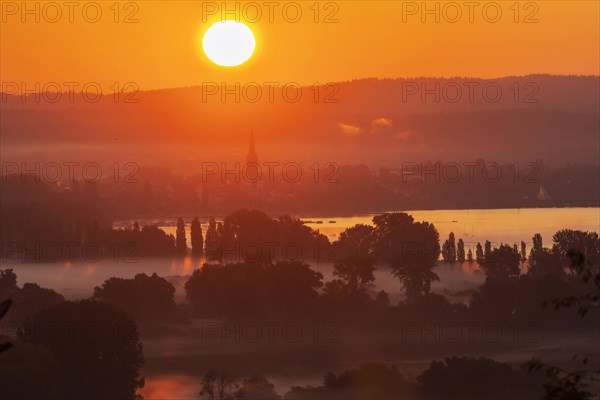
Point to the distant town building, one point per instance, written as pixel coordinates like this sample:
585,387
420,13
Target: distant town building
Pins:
543,195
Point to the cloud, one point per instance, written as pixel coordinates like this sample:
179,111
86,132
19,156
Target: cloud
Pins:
350,130
381,121
379,125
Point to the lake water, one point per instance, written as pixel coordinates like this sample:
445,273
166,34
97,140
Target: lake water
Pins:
496,225
511,225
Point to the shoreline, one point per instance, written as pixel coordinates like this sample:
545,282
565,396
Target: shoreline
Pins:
303,215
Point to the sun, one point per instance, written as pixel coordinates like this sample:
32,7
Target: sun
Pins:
228,43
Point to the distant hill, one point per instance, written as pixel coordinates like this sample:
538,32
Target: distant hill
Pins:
379,122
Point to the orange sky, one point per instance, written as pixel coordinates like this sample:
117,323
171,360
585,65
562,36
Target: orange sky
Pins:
369,39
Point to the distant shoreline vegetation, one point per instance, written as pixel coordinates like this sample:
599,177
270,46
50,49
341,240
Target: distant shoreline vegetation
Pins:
309,218
242,236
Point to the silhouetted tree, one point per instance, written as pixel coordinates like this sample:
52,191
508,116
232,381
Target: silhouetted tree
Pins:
411,248
460,251
470,256
563,384
583,262
536,246
4,307
103,362
286,287
501,268
145,298
545,262
338,293
257,387
356,261
154,242
212,242
218,385
252,236
27,300
368,381
453,378
501,263
476,378
250,231
487,249
196,238
228,242
449,249
220,243
180,241
8,282
523,254
479,254
29,371
33,298
567,241
312,244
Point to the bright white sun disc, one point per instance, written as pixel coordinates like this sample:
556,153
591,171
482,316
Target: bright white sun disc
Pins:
228,43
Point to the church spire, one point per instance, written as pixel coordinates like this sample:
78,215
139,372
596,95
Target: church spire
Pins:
251,156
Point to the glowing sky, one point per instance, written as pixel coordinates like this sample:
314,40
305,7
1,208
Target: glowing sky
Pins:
362,39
